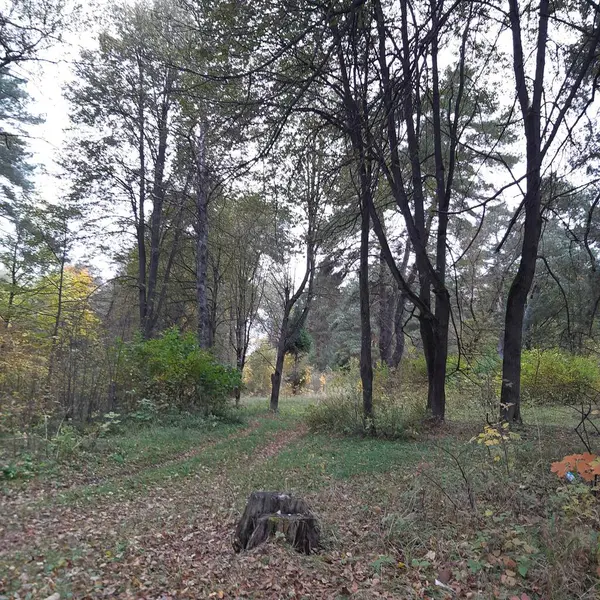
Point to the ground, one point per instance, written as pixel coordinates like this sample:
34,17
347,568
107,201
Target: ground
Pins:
151,514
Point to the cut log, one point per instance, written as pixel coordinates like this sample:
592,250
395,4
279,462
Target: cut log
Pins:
268,513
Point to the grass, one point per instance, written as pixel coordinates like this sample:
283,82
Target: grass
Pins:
395,514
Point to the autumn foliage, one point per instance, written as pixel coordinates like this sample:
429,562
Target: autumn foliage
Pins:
586,465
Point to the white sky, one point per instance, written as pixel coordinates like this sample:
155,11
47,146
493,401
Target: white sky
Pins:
46,80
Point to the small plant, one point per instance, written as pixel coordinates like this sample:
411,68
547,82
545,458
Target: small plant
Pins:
147,411
383,561
23,468
110,423
581,471
66,441
498,439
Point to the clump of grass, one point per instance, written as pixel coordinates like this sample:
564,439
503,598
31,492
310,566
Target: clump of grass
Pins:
398,413
342,413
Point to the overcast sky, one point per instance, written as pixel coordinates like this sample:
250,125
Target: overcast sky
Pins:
46,83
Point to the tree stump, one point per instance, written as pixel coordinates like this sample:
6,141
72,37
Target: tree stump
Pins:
269,513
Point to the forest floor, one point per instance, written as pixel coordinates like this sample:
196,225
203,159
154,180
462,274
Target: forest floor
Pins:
151,514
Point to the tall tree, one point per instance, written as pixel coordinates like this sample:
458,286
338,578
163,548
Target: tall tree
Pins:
308,186
124,98
28,27
544,115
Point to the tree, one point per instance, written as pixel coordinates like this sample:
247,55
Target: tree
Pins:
310,184
28,27
541,126
125,99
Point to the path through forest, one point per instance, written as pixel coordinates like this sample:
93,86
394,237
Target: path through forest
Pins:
159,523
166,531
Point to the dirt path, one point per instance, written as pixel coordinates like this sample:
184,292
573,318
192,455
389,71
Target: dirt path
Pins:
171,539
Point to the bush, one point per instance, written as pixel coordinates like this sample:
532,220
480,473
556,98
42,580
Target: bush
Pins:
297,372
397,413
21,468
547,377
556,377
172,372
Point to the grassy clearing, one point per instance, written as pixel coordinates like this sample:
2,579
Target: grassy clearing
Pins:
396,515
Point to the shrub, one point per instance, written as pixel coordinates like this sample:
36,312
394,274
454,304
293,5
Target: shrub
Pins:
413,368
172,371
397,413
21,468
556,377
297,372
547,377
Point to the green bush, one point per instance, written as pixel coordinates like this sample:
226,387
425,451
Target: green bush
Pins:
556,377
397,413
413,368
20,468
172,372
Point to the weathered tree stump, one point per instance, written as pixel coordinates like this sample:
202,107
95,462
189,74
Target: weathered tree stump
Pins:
269,513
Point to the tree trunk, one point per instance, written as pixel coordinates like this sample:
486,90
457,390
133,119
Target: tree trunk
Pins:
158,197
277,375
213,305
140,213
528,318
13,278
366,360
268,513
386,310
438,397
240,354
510,396
398,330
202,242
59,308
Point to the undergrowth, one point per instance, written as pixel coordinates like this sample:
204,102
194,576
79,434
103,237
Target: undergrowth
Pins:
471,504
398,411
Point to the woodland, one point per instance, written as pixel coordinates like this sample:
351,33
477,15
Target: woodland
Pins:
347,249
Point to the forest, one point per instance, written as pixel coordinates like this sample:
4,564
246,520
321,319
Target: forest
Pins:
346,249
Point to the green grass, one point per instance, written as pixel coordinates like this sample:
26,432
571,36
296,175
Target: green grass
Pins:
416,485
464,408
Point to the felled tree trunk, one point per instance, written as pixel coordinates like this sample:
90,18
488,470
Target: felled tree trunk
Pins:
268,513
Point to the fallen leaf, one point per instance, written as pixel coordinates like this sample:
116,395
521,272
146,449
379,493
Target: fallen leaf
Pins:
445,574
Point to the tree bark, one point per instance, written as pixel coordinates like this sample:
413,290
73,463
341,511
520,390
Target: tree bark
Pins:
267,513
158,198
277,375
366,359
13,277
140,212
398,330
510,396
386,314
202,240
59,309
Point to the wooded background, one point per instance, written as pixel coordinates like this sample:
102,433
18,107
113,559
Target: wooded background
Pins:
287,189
